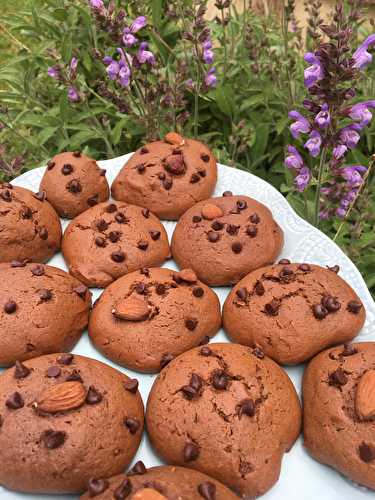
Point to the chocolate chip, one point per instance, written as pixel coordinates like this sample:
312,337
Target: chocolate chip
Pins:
43,233
257,351
254,218
123,491
285,272
18,263
45,294
191,452
191,324
37,270
205,157
155,235
77,154
205,351
93,396
207,490
53,439
246,407
198,291
338,378
330,303
114,236
146,213
194,178
102,225
354,306
140,288
272,308
138,468
74,186
144,150
93,200
131,385
74,377
251,231
196,218
161,176
121,218
242,293
160,289
80,290
111,208
118,256
319,311
140,168
10,307
349,350
6,195
15,401
100,242
53,372
145,271
237,247
241,204
50,165
67,169
259,288
65,359
102,172
220,380
165,359
97,487
284,261
212,236
176,151
227,193
40,195
21,371
167,183
232,229
202,172
334,269
132,424
26,213
142,245
175,165
30,347
217,225
305,268
188,392
366,452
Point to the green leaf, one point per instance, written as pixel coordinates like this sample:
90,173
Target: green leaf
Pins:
117,130
157,9
225,99
46,134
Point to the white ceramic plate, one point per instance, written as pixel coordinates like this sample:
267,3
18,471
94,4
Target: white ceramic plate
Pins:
301,476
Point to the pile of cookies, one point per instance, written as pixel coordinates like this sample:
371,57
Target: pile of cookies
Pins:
222,415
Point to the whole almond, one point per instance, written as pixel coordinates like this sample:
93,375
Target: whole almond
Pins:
188,275
131,309
148,494
365,396
174,138
61,397
210,211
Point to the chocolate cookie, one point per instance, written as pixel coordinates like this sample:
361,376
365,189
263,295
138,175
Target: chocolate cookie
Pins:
30,228
292,311
42,310
168,176
159,483
73,183
339,410
227,411
113,239
148,317
64,419
223,239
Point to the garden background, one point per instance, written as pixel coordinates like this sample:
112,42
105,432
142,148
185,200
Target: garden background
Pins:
228,74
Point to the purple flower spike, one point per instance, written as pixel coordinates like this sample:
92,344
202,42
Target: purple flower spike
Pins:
138,24
313,143
349,136
208,55
361,56
323,118
73,68
54,72
339,151
144,55
294,159
97,4
210,79
300,126
302,179
314,72
361,113
73,95
353,175
128,38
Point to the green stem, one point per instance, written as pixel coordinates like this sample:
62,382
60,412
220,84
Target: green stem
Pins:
33,146
103,130
225,45
284,27
319,185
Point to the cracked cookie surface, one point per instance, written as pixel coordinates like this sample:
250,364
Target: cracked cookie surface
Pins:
227,411
113,239
225,238
292,311
63,420
73,183
30,228
167,177
160,483
339,410
151,314
42,310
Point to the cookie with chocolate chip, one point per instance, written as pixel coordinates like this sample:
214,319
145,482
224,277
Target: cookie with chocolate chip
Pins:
149,315
42,310
168,176
73,183
159,483
293,311
339,410
113,239
225,410
30,229
223,239
64,419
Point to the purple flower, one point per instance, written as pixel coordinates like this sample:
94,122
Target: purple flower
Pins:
349,136
73,68
210,79
73,95
54,72
361,113
124,75
128,38
323,118
339,151
300,125
302,180
352,174
313,143
208,55
144,55
361,56
314,72
294,159
138,23
113,67
120,70
189,84
97,4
